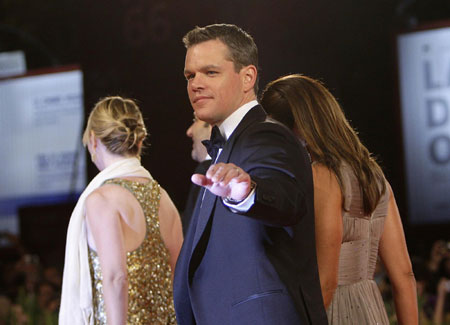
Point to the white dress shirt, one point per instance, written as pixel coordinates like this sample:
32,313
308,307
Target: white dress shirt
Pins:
226,129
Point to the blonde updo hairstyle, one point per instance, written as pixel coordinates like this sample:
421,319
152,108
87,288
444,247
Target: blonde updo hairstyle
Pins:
117,122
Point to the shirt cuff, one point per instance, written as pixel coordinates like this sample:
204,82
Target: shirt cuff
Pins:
242,206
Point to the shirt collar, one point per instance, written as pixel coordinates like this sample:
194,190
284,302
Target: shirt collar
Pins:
231,122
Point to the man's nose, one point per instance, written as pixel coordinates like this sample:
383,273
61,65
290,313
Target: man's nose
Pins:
189,132
196,83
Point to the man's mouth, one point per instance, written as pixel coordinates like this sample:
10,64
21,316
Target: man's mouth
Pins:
200,98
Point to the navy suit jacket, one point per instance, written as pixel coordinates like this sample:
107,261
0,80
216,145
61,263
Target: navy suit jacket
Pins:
201,168
257,267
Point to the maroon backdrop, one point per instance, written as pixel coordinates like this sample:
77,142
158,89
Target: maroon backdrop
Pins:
133,48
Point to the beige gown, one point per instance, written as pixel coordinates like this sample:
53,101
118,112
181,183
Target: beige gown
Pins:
150,299
357,299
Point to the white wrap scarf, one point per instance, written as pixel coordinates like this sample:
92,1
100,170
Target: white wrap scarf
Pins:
76,297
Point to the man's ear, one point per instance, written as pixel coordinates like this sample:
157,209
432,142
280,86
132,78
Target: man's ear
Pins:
249,74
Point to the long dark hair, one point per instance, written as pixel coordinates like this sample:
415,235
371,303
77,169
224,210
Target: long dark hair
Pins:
307,107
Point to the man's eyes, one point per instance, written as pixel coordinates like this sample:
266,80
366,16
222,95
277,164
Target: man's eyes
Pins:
208,73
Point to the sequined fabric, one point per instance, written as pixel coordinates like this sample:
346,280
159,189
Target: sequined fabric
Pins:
357,299
150,299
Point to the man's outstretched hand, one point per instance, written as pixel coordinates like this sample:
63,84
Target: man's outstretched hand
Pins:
225,180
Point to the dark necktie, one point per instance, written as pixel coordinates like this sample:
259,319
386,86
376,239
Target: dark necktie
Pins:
215,143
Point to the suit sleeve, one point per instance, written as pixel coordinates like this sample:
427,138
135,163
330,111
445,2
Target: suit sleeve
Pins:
280,166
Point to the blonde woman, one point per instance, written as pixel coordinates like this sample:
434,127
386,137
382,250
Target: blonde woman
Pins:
124,235
356,217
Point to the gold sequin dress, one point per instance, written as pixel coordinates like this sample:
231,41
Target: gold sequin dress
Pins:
357,299
150,299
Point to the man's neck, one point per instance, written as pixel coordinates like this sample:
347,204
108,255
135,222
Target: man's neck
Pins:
231,122
243,102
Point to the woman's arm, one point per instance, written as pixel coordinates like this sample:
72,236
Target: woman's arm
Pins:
104,224
395,257
328,225
170,226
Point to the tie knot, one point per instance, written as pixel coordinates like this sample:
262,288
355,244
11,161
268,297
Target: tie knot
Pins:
214,143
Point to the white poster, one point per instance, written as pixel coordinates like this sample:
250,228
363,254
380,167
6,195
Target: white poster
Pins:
424,70
43,161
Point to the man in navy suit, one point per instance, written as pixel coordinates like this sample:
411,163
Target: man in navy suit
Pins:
249,254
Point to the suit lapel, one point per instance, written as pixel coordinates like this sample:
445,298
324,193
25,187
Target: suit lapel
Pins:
256,114
209,200
204,214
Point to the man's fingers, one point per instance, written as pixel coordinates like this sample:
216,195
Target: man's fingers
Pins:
199,180
217,172
223,173
233,173
213,170
227,181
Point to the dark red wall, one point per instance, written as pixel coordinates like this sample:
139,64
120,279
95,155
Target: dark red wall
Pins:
133,48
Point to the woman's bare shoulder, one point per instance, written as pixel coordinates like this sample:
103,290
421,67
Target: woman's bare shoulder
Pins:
107,195
323,175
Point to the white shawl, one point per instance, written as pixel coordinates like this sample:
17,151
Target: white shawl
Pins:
76,297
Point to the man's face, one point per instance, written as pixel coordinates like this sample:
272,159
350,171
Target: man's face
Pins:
215,89
199,131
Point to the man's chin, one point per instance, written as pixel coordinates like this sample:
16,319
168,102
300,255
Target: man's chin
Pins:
202,114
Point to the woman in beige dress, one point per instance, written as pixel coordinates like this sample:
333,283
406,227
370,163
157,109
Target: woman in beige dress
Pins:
125,234
356,216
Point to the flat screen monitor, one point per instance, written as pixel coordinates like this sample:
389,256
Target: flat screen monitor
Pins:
42,157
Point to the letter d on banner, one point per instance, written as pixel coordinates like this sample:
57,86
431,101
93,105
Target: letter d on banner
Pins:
437,112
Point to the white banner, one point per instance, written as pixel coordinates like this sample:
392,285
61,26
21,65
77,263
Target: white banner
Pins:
424,72
41,121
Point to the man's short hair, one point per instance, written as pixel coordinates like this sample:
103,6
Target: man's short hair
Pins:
242,49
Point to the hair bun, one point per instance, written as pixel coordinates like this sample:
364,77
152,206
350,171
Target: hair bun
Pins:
118,123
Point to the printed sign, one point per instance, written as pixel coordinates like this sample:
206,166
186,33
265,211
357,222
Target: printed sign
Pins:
424,71
43,161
